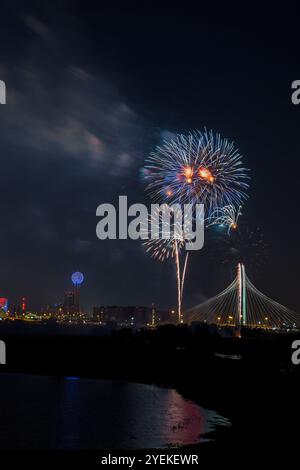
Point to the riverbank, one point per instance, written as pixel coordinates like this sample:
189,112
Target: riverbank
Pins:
258,393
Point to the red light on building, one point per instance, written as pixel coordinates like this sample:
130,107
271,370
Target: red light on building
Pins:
4,303
23,305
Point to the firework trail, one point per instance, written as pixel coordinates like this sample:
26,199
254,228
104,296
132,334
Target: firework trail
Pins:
170,246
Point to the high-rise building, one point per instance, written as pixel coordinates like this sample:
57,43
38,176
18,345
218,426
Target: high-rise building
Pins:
71,304
23,305
3,307
4,304
153,316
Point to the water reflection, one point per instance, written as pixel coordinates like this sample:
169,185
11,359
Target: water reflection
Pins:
71,413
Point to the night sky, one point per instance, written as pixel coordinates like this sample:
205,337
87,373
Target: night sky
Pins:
91,91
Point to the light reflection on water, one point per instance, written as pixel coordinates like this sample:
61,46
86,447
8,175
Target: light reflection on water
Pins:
39,412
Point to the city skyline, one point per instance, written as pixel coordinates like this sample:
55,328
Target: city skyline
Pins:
82,116
149,306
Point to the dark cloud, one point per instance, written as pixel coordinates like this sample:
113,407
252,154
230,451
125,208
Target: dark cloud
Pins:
69,142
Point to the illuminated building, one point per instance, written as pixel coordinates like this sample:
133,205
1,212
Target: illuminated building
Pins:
71,305
23,305
153,316
122,315
131,316
4,304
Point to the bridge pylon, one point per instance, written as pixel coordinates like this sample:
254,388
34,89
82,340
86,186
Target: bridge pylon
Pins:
241,304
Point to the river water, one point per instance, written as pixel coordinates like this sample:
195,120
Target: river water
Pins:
41,412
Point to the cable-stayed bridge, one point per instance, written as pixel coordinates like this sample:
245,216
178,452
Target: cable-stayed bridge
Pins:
241,304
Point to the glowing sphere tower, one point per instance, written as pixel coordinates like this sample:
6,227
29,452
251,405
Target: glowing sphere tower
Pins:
77,279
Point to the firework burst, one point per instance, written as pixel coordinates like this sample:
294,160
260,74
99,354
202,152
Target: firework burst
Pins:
227,216
162,243
201,167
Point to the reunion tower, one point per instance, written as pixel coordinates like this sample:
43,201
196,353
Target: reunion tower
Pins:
77,279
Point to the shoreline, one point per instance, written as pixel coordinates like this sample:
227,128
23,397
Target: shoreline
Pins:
253,393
